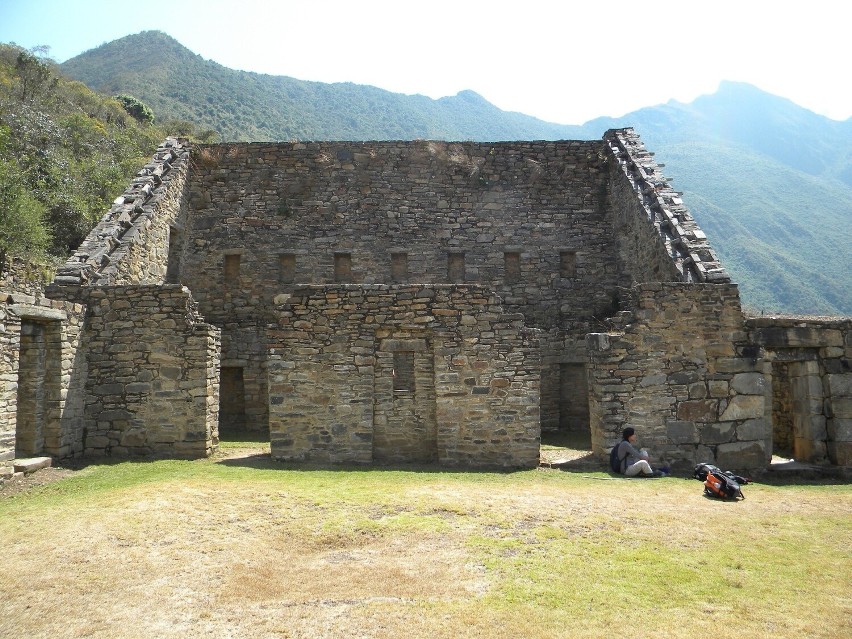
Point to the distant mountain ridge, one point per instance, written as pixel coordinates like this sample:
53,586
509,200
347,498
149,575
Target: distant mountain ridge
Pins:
769,181
246,106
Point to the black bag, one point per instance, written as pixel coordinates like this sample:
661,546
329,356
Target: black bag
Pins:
616,463
720,483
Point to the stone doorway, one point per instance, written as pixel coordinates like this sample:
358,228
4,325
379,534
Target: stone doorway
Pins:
232,402
798,419
404,422
573,398
565,398
39,385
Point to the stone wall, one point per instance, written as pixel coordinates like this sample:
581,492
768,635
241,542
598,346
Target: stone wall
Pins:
808,362
681,372
403,373
131,243
149,365
152,387
40,406
526,219
409,302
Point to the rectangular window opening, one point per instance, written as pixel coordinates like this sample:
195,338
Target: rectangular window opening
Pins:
286,268
512,267
567,263
455,267
232,268
342,267
403,371
175,248
399,267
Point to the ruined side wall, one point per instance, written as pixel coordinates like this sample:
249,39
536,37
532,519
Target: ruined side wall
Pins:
341,390
152,384
40,410
130,245
682,374
809,365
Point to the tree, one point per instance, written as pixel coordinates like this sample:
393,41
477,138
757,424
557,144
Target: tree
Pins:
33,75
137,109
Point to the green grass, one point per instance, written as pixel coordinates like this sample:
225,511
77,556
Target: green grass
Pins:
563,554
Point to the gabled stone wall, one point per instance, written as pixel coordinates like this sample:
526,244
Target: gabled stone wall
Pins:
658,240
130,245
403,373
148,367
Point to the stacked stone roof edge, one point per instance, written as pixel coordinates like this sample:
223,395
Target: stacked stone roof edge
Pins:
95,261
685,242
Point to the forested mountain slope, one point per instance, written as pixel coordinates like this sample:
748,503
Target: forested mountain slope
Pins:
243,106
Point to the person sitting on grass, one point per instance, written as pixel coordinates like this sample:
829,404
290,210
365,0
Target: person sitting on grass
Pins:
634,463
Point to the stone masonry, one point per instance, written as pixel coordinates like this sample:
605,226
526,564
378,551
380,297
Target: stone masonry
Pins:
410,302
340,389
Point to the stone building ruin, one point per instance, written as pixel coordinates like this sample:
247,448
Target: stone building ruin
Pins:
400,302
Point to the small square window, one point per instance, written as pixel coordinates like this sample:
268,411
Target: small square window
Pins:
342,267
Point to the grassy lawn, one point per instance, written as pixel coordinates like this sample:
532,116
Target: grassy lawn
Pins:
240,546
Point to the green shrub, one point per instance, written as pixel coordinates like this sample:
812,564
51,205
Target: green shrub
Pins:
137,109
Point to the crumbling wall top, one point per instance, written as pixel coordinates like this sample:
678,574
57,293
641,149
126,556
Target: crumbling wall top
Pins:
685,242
97,260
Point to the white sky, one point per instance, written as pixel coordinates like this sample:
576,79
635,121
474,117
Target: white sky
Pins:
562,61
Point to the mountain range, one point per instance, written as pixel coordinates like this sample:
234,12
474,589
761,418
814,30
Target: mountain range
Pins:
769,181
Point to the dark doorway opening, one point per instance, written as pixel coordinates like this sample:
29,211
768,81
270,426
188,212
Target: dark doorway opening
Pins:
232,403
782,411
39,390
574,400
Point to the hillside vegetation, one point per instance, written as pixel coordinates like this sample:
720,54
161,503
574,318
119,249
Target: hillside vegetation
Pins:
252,107
65,153
770,183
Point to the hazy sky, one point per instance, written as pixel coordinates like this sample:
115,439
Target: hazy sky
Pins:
562,61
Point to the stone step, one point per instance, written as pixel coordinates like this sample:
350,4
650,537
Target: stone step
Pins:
31,464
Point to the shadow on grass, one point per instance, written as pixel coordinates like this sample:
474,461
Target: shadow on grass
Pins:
264,461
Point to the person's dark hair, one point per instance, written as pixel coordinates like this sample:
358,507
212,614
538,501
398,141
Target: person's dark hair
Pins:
628,432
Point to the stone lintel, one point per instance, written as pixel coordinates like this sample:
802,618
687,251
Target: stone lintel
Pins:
393,345
29,311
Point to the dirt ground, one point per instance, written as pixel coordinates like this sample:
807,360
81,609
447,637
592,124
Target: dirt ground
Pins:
24,483
220,558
